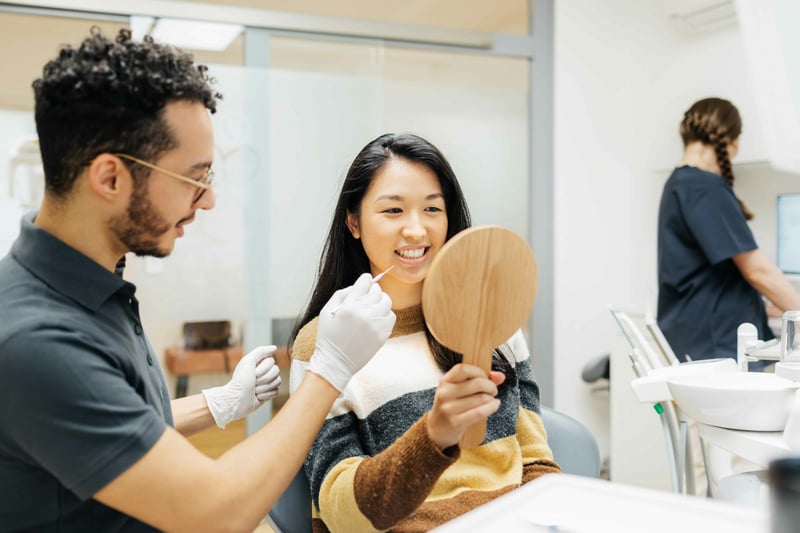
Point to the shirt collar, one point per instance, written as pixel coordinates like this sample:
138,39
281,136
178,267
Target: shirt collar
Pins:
64,268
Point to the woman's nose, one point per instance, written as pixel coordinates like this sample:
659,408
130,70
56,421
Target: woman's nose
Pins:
413,229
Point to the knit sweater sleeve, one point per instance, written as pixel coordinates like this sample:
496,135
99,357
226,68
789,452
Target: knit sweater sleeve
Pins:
352,491
384,489
537,458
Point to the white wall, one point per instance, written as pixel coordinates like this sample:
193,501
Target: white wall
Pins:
603,52
624,75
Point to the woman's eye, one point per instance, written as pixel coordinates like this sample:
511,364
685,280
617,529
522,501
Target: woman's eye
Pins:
392,210
434,209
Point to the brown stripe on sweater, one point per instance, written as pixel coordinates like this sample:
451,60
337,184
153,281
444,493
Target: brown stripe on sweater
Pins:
539,468
433,514
303,345
409,320
415,464
318,526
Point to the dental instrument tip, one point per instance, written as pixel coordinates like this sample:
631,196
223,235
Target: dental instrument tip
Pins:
377,278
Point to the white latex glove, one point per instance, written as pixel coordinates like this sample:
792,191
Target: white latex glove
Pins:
353,325
255,379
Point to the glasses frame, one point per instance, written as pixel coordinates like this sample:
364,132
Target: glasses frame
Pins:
203,183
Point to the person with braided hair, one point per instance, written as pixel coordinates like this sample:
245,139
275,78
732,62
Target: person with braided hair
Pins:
711,274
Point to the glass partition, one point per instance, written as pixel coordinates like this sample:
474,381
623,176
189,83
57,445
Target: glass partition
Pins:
287,129
28,42
327,100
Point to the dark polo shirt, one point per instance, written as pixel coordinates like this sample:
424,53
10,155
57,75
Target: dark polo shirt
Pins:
82,396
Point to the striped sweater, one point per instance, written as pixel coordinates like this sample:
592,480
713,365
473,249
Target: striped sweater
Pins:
373,466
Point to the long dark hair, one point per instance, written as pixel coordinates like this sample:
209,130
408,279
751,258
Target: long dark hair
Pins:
343,257
715,122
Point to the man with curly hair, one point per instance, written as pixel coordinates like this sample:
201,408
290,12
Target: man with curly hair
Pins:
89,440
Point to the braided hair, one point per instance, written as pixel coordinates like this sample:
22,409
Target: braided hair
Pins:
715,122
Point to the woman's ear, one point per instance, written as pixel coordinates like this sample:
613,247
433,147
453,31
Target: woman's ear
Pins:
352,224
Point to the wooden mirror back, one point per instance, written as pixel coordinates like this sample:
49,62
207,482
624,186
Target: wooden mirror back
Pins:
479,290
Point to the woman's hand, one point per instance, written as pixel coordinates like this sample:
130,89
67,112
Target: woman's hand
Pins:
465,395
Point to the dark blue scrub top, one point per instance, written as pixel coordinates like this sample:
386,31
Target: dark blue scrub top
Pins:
702,296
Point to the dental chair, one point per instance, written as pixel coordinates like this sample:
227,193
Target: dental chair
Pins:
647,357
574,449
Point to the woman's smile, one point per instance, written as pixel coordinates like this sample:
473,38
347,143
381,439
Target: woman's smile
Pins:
413,254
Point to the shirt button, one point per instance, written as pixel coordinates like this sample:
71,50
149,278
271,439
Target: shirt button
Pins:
149,360
137,328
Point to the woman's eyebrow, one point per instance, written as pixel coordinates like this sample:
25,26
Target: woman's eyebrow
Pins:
388,197
399,197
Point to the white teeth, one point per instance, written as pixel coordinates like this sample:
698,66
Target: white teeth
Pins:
412,254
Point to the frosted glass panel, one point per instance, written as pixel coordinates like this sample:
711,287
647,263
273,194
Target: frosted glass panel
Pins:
318,122
284,137
328,99
22,179
208,275
483,132
475,109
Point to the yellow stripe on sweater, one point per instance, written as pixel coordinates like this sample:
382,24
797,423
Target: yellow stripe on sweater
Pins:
530,430
492,466
345,515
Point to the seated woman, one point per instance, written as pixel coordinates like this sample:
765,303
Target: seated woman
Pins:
388,457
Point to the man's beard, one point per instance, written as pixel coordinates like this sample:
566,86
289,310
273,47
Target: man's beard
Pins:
142,226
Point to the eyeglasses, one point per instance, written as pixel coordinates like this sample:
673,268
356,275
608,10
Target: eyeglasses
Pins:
203,183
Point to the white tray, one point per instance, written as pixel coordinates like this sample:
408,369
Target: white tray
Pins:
573,504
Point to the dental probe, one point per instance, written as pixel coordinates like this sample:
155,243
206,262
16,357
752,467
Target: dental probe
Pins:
376,279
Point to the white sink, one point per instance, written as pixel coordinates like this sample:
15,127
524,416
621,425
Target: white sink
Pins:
653,387
751,401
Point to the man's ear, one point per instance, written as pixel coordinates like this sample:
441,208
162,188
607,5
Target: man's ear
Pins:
352,224
108,177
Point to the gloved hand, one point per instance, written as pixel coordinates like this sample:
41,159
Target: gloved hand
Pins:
353,325
255,380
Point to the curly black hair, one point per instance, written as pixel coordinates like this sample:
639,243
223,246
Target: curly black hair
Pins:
109,96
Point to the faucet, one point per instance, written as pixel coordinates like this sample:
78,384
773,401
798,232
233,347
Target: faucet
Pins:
748,346
746,337
786,350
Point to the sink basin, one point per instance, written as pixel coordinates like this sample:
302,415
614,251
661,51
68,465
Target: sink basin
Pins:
653,387
751,401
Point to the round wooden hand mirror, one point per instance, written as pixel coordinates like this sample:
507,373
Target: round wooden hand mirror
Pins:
479,290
